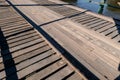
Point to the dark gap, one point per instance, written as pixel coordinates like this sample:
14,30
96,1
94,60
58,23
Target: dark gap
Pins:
23,28
109,33
28,53
22,34
96,21
101,27
25,38
115,36
53,72
11,26
23,42
66,77
107,29
11,73
84,19
14,26
41,69
22,48
40,60
32,50
11,21
41,53
29,29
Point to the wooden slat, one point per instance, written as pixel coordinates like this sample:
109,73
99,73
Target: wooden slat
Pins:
21,38
47,71
61,74
23,46
36,66
20,35
74,76
25,56
24,51
28,63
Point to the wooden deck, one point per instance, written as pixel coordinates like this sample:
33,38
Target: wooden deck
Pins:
26,55
92,39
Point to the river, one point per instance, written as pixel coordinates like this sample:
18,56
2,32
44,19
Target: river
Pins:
97,6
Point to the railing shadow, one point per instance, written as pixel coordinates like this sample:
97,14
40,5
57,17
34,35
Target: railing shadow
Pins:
7,63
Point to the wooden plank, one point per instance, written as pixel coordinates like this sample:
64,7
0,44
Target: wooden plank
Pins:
34,67
20,35
28,63
75,76
65,42
28,55
18,32
113,34
89,48
47,71
13,25
37,51
10,20
97,24
25,50
76,56
28,44
61,74
117,38
105,28
21,27
93,22
84,19
7,15
23,41
109,31
80,16
101,26
88,20
21,38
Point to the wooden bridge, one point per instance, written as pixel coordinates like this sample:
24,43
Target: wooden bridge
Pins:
53,40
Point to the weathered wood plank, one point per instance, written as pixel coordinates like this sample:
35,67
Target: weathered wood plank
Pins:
20,35
22,46
24,51
23,41
26,71
47,71
13,25
61,74
74,76
21,38
20,27
28,55
28,63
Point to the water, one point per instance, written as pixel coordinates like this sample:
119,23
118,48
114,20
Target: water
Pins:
97,6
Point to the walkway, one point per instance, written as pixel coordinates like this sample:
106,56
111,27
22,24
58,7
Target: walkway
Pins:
92,39
25,54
